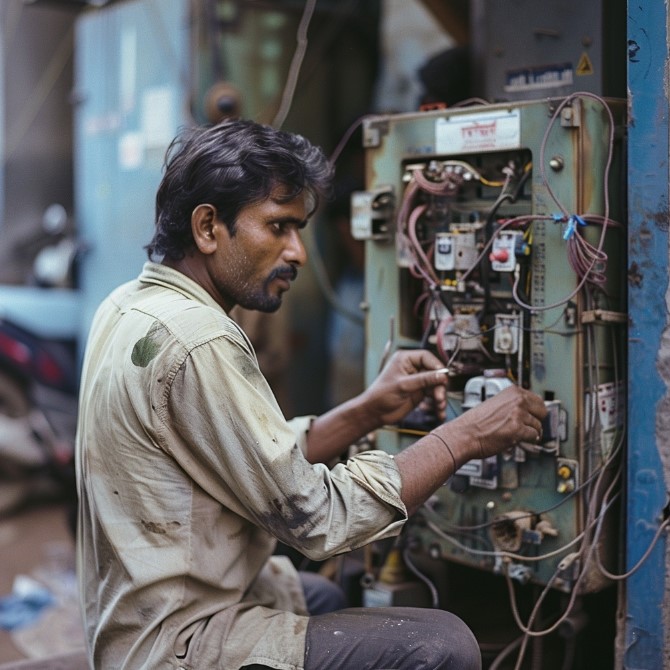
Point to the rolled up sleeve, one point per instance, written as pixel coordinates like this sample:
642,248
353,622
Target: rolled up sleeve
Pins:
224,427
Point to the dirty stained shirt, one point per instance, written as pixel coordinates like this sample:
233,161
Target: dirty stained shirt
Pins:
187,472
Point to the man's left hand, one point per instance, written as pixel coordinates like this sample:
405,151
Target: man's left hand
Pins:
409,377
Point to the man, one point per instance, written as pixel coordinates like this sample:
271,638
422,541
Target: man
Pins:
187,470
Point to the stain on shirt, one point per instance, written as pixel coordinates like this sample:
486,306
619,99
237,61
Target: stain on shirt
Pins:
147,347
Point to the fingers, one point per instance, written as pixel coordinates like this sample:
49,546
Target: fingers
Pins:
530,412
419,370
533,432
530,405
426,380
511,416
417,374
418,359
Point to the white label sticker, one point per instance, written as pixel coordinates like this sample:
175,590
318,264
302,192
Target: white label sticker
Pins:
611,403
487,131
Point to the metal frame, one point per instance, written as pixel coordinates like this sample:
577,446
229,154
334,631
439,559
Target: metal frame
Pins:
643,640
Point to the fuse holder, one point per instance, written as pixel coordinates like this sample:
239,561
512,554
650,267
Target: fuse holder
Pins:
564,472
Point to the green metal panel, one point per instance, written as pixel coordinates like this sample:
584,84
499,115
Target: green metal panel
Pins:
571,354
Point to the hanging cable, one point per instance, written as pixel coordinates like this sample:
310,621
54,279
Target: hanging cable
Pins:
434,597
296,62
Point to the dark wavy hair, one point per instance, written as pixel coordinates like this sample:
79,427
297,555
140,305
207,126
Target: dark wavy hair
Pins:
230,165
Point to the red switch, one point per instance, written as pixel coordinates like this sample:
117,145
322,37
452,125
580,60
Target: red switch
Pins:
499,255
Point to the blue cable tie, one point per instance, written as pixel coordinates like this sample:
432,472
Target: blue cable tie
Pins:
573,221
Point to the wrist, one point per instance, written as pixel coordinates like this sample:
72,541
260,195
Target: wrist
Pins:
452,457
367,411
463,442
358,412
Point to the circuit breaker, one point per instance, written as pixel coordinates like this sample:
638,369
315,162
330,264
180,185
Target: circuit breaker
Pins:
494,238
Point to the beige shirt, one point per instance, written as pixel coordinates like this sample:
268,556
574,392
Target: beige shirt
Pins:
187,472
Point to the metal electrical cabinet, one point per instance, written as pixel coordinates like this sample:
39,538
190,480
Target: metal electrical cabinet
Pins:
494,238
548,49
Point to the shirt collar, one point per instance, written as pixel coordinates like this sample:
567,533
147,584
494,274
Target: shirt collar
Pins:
162,275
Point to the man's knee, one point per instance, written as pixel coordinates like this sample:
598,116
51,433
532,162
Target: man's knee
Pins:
449,643
393,637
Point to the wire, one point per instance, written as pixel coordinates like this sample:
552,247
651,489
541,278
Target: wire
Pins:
294,69
345,138
582,256
543,146
497,553
505,652
526,628
435,599
427,205
589,548
471,101
640,561
510,555
592,479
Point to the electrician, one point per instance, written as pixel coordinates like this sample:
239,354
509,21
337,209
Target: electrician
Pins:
187,471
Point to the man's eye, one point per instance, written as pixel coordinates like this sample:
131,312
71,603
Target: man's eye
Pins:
282,227
286,227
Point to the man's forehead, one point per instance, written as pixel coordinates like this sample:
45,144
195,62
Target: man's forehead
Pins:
285,194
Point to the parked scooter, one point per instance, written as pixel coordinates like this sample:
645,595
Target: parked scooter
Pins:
39,327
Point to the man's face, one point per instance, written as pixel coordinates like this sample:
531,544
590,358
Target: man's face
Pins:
253,267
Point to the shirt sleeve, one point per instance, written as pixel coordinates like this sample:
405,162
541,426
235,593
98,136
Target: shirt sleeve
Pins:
224,427
300,426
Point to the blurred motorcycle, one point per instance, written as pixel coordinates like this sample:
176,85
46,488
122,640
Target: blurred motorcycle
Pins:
39,372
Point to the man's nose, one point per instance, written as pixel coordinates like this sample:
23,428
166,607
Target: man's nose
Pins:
295,250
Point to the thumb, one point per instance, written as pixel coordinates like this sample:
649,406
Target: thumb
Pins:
426,380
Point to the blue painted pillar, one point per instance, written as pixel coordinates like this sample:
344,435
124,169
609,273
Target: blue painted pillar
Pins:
645,634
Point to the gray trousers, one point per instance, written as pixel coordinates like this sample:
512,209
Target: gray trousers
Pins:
384,638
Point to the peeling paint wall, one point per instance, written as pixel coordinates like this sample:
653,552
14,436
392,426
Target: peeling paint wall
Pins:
645,640
663,441
663,433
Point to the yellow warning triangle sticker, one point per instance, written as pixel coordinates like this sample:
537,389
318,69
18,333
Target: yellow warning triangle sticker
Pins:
584,66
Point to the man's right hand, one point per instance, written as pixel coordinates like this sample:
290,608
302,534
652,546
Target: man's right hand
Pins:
511,416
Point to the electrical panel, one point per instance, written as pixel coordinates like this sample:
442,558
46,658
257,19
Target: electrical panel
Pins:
551,48
494,238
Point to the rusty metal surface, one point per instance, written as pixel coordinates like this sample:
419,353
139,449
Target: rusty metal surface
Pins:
645,641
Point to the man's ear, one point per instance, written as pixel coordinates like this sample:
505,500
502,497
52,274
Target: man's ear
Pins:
203,221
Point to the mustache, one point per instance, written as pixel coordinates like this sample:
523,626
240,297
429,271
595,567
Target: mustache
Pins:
286,272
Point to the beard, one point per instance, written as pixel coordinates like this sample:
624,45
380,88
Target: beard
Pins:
261,302
261,299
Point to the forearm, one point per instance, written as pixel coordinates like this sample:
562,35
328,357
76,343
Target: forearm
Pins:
333,432
428,463
409,377
511,416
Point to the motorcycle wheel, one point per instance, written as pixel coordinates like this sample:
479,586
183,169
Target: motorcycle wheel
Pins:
14,401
